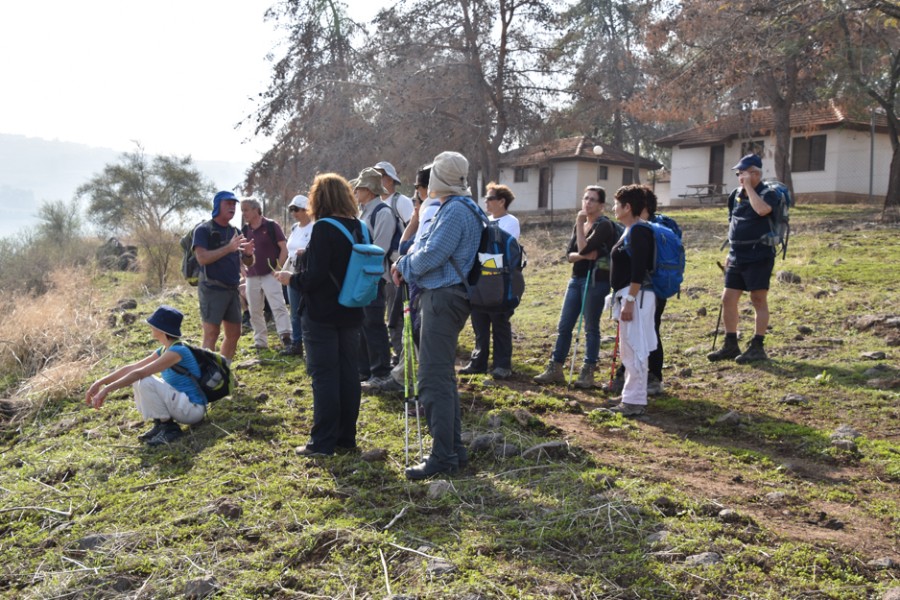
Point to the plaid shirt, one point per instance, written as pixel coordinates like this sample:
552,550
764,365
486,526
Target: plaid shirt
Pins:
455,233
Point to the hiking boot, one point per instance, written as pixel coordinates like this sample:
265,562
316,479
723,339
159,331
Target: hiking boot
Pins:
615,386
292,350
501,373
628,410
753,353
388,385
585,379
169,432
654,385
150,433
729,351
472,369
286,340
552,374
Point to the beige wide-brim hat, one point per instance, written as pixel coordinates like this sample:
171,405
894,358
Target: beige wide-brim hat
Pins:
448,175
370,179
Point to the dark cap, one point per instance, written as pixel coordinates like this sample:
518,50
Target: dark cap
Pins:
423,175
751,160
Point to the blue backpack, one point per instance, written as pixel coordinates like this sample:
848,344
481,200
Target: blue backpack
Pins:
364,270
496,282
779,220
668,260
667,221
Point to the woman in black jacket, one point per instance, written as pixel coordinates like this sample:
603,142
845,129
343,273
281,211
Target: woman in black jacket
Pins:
634,303
330,331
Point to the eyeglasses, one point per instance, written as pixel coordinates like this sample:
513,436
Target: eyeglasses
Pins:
489,198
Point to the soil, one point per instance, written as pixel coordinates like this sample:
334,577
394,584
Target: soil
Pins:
843,527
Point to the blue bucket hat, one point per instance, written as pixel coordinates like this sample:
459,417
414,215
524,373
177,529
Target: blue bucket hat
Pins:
751,160
167,319
219,198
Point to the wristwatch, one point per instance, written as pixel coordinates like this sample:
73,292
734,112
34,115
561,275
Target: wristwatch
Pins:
629,298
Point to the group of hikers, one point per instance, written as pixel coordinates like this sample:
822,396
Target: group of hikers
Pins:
427,247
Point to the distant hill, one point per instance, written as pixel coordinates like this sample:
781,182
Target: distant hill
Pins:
33,170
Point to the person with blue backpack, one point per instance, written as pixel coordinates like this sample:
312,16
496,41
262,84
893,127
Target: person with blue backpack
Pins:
169,399
437,266
497,201
750,261
633,299
331,329
375,355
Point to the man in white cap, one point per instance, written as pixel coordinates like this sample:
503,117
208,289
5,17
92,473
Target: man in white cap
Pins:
437,266
301,231
402,207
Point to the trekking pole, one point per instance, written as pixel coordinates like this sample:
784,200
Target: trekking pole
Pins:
587,285
410,378
719,320
612,369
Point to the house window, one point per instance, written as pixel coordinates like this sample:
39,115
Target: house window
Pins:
808,153
754,147
627,176
520,175
602,172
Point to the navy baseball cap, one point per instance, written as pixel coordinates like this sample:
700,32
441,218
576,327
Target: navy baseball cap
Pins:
751,160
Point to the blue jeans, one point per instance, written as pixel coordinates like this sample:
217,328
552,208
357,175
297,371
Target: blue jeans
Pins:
331,361
568,318
294,296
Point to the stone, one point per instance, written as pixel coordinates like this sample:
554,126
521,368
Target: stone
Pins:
127,304
879,369
805,330
730,419
703,559
129,318
666,506
787,277
701,312
686,372
876,355
844,444
494,421
776,498
892,594
658,538
820,294
844,432
523,417
200,588
882,563
794,400
112,320
374,455
729,515
90,542
884,383
554,449
485,442
228,509
439,566
438,488
507,450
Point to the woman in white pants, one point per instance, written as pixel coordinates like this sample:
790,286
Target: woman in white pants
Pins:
176,398
634,304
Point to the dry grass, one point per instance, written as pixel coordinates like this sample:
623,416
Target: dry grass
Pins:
49,342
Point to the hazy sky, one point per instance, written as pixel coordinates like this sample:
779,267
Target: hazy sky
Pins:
175,75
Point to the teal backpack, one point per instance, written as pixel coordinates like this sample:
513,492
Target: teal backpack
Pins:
364,270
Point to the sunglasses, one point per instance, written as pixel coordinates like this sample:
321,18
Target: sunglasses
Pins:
489,198
296,209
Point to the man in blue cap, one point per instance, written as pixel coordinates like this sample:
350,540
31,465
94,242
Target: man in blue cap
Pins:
750,262
220,249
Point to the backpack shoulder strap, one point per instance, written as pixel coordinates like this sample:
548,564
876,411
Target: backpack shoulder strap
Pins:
340,227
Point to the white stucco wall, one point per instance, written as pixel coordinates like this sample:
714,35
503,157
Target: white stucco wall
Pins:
847,158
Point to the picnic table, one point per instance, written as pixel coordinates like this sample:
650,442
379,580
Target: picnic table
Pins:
706,193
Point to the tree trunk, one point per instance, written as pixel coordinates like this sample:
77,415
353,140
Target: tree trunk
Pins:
891,211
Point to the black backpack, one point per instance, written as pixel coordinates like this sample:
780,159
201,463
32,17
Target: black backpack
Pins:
216,380
190,268
495,283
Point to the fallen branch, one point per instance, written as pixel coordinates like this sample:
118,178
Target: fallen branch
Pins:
147,486
39,508
396,518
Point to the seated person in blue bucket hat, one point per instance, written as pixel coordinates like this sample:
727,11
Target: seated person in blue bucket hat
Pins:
168,401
